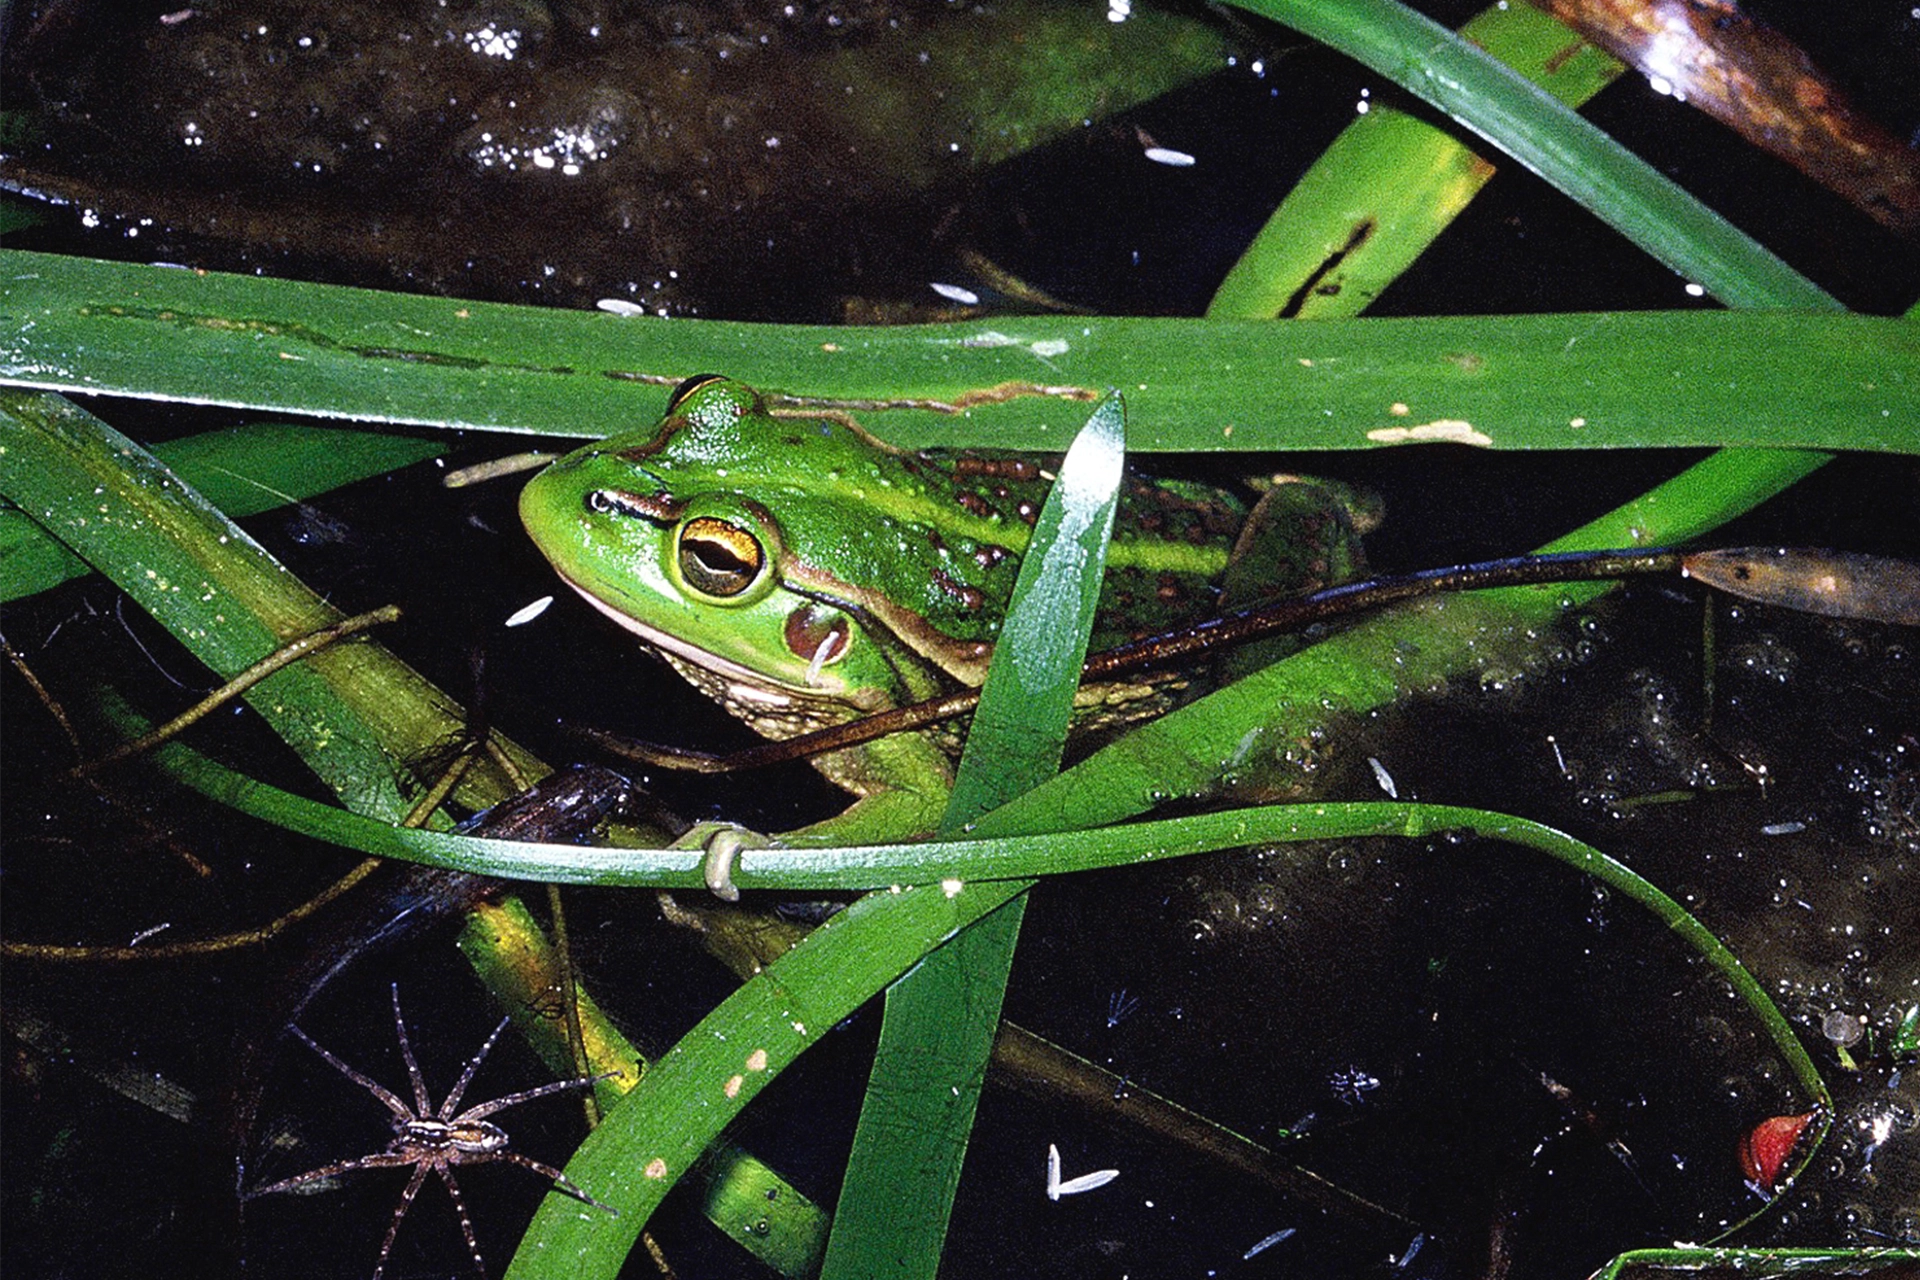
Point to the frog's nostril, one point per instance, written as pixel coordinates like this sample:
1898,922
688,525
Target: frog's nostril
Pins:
625,502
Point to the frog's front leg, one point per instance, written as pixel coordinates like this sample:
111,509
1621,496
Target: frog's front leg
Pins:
903,782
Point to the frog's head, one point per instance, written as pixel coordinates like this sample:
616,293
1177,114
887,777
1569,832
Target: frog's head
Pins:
747,545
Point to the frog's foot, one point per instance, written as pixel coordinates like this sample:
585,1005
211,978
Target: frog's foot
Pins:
1303,535
723,842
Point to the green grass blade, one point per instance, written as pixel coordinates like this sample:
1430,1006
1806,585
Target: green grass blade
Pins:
741,1195
993,869
941,1019
661,1128
242,471
650,1141
1391,183
1019,730
1553,381
1386,658
1527,123
352,712
916,1118
197,573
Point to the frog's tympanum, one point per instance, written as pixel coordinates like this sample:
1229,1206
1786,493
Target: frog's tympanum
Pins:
803,573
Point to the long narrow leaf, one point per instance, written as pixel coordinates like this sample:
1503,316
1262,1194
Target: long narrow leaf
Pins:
199,574
941,1019
1565,381
652,1138
242,471
1391,183
1387,658
966,867
1527,123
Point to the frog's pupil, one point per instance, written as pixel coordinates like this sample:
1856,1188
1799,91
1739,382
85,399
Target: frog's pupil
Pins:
718,558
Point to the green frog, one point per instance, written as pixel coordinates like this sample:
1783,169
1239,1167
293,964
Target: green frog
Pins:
803,572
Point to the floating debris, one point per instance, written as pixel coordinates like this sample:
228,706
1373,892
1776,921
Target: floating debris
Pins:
956,293
1266,1244
528,612
1838,584
1073,1186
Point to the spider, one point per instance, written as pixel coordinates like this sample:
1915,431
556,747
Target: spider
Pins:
435,1141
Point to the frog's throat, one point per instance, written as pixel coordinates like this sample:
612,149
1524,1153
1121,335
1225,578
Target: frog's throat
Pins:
743,682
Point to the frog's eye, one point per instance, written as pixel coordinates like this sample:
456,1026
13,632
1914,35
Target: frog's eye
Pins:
687,388
719,558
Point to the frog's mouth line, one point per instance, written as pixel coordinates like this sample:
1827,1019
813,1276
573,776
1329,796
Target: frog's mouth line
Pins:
745,682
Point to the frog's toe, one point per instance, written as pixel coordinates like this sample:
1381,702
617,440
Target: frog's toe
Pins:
723,843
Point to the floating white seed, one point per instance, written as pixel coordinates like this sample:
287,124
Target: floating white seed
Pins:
956,293
1087,1182
527,613
1266,1244
1073,1186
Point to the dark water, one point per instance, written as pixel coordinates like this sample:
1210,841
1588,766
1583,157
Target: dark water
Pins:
1477,1040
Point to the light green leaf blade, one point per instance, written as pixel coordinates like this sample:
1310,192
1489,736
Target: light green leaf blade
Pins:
1527,123
1391,183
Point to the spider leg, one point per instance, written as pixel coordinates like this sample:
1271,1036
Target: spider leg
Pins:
561,1182
406,1203
425,1107
378,1160
526,1095
466,1223
387,1097
466,1077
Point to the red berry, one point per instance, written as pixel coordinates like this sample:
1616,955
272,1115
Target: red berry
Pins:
1767,1150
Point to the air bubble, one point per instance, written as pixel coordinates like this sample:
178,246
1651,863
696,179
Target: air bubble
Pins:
1843,1028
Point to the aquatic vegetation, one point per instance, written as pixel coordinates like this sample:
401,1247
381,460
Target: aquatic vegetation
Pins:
1327,979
